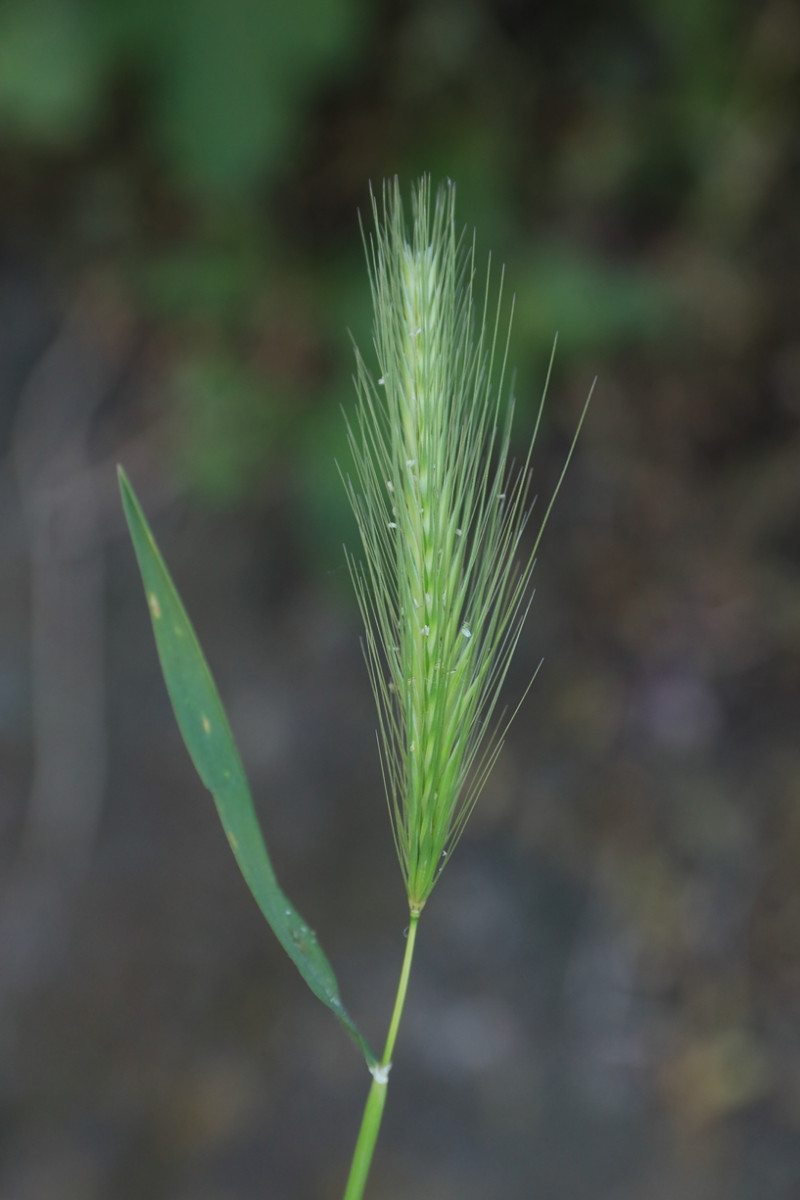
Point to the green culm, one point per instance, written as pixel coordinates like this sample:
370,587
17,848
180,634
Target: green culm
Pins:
443,584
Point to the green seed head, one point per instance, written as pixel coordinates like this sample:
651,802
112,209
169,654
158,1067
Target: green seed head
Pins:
442,593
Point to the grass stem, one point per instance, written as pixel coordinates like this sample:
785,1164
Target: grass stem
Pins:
376,1099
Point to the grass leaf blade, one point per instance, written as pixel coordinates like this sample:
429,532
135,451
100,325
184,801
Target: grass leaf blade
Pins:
207,734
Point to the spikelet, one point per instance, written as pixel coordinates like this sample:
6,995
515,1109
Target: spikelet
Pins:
440,512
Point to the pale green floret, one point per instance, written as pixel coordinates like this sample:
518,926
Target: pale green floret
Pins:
442,595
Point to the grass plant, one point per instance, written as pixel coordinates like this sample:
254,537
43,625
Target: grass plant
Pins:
444,584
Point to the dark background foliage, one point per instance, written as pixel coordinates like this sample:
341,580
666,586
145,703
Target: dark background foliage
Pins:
607,995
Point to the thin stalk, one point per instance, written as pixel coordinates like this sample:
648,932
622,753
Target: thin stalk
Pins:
376,1099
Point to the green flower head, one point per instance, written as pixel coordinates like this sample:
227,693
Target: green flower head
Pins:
440,510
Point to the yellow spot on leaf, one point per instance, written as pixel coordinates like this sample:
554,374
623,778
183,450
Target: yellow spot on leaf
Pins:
155,607
206,724
233,842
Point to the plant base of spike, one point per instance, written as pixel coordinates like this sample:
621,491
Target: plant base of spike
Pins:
376,1097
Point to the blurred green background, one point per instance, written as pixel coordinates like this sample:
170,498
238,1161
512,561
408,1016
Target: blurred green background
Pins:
607,999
